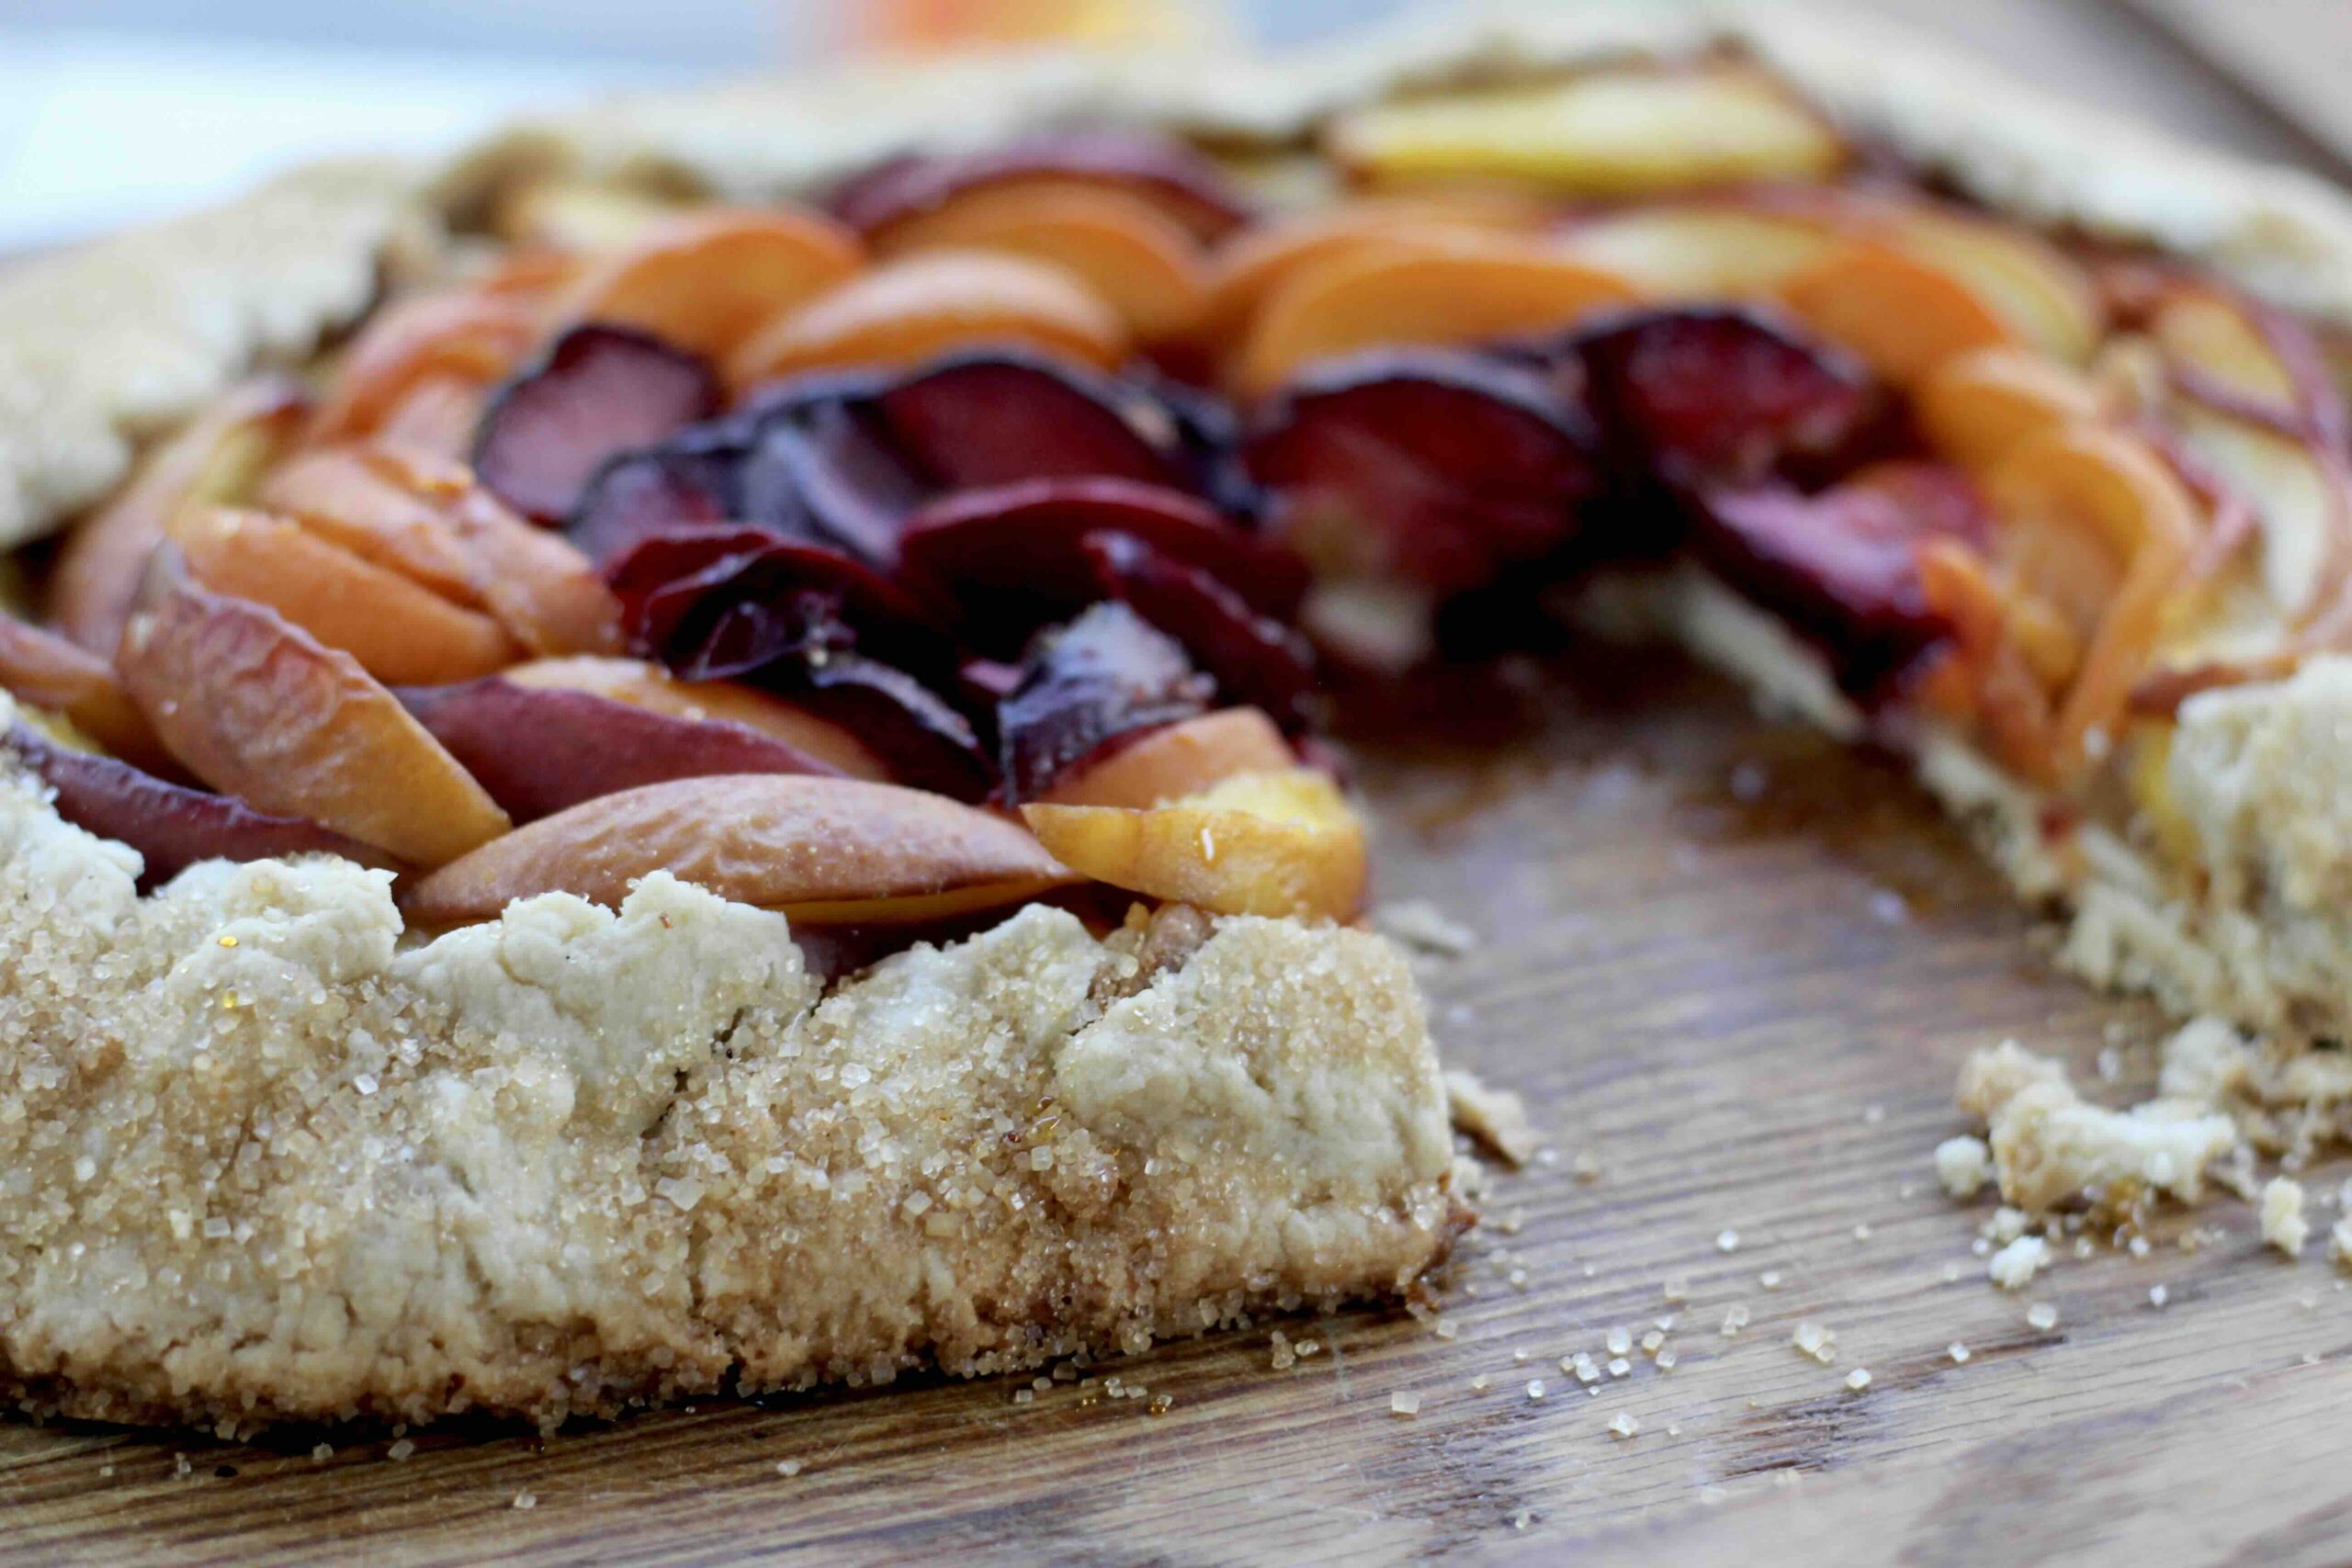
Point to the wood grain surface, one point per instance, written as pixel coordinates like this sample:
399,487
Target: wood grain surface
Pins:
1733,966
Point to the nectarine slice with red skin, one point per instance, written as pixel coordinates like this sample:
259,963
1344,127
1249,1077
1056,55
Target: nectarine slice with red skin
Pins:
1270,844
217,456
1975,406
651,687
260,710
399,631
703,281
1179,759
472,337
42,668
1901,315
918,307
1388,290
1143,263
171,825
596,390
821,850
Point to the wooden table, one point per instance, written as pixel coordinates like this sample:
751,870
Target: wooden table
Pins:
1734,970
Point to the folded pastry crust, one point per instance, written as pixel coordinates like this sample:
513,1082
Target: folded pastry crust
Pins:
272,1158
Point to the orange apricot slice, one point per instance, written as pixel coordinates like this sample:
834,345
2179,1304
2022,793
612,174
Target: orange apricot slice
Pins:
1176,760
1462,288
259,709
1973,407
399,631
1901,315
2094,522
1617,132
1702,252
1143,263
217,456
1260,843
43,670
705,280
2041,295
651,687
1255,261
475,338
823,850
913,309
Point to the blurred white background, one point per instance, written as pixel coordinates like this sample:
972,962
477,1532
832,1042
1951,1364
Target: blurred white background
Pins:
112,111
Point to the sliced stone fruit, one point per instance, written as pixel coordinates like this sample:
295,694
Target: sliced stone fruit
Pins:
693,480
823,850
651,687
171,825
1703,395
1701,252
1901,315
1434,466
259,709
43,670
703,281
2298,495
538,749
473,337
905,311
1107,673
1174,178
1628,131
1253,658
217,456
1009,557
397,629
1143,263
1396,291
1153,767
596,390
998,419
2041,297
1258,844
1973,407
578,216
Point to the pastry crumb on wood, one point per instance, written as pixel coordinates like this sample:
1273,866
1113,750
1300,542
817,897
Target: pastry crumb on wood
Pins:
578,1159
1495,1118
2050,1147
2283,1225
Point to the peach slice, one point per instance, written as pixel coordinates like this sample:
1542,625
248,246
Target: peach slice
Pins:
1145,264
2039,294
1260,843
1388,291
2095,522
471,337
1256,260
45,670
257,709
400,632
349,497
439,415
1702,252
651,687
1901,315
703,281
824,851
911,310
2206,332
1975,406
1622,132
217,456
2297,497
1176,760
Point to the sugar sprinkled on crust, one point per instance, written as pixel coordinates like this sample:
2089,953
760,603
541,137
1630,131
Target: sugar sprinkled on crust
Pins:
576,1159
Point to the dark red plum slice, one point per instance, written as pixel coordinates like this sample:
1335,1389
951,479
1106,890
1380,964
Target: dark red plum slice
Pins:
539,750
719,601
1718,395
1184,182
1442,468
1012,557
172,827
1841,567
1256,661
831,471
692,482
996,419
1102,675
597,391
925,741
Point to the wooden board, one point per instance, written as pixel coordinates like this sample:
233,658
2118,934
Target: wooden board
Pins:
1738,969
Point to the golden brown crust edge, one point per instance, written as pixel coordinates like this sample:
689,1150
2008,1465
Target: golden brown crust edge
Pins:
270,1161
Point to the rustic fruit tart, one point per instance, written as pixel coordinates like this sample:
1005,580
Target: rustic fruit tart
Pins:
724,786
